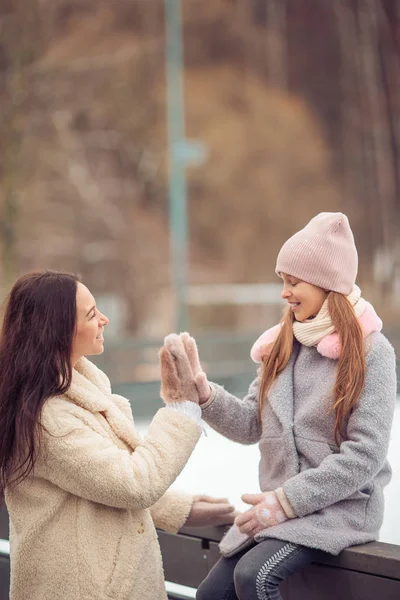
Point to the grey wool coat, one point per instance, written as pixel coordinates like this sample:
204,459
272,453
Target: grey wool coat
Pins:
336,492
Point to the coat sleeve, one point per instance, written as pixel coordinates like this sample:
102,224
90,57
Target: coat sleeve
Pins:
364,452
84,463
235,418
171,511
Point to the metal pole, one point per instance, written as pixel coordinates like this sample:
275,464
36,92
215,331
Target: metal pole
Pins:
176,137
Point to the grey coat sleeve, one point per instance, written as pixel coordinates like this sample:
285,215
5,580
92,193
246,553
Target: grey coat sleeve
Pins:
235,418
364,452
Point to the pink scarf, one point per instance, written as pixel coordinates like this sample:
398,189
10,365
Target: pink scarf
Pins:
329,346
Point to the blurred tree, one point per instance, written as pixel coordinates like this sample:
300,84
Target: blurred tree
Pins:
298,102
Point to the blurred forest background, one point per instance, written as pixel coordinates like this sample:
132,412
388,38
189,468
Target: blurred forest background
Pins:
296,101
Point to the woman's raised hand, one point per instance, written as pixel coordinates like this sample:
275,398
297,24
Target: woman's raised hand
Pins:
182,377
177,381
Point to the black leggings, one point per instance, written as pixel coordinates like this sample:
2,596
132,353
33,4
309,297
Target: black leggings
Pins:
255,573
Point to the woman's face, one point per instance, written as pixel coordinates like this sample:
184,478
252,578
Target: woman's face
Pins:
90,323
305,299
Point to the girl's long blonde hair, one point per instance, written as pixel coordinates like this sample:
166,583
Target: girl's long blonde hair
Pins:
351,369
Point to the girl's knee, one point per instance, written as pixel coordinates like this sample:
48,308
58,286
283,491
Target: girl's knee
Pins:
244,578
203,593
219,582
210,589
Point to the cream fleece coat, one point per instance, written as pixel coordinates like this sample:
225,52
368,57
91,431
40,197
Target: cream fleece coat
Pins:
82,526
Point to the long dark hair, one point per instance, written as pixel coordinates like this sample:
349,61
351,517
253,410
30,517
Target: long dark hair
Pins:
35,363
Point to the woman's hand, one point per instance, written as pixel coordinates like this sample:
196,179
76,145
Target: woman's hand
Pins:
182,377
177,381
267,511
207,510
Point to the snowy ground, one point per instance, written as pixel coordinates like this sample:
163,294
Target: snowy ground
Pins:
223,468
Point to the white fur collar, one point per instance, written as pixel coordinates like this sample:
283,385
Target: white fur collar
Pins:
90,389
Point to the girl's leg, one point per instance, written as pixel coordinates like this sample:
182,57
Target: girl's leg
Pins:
260,571
219,584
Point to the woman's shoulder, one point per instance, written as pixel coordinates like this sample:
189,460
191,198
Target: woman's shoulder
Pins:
59,412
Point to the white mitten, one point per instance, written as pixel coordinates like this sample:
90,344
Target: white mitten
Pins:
267,511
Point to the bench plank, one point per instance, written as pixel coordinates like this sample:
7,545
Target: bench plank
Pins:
358,573
375,558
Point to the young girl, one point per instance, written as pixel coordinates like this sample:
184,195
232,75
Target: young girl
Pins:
84,491
321,409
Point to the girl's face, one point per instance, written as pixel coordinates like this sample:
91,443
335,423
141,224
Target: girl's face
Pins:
90,323
305,299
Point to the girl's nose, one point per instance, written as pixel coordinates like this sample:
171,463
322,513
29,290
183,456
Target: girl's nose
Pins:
285,293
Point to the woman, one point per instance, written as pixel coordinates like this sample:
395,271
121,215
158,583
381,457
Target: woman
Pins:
321,409
84,492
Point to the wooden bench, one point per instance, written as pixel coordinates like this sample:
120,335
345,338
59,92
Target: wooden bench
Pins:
367,572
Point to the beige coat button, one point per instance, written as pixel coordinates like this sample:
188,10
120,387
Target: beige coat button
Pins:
140,527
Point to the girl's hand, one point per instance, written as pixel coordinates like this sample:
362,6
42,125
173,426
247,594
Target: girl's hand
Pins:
207,510
202,385
267,511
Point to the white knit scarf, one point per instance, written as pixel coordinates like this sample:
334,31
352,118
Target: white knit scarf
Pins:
312,331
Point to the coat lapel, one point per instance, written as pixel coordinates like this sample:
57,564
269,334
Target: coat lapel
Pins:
281,395
90,389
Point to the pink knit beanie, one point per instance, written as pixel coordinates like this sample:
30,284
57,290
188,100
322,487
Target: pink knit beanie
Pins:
323,254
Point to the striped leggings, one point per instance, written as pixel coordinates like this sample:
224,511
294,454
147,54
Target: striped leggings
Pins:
255,573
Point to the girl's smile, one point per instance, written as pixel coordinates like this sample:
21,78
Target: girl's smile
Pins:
305,300
294,305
